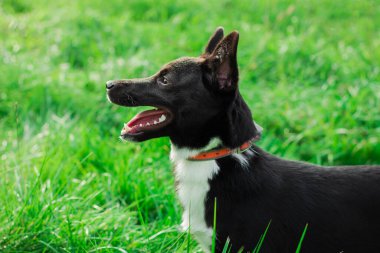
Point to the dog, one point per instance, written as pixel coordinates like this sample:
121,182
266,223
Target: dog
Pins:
218,168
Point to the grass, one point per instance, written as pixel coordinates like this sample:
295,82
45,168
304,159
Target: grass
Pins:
261,240
213,243
299,246
309,71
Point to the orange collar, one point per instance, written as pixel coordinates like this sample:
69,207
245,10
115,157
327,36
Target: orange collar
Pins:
222,152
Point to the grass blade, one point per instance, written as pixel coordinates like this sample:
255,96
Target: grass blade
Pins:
301,240
188,232
227,246
214,229
262,237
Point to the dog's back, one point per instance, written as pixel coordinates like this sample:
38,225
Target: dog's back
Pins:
341,205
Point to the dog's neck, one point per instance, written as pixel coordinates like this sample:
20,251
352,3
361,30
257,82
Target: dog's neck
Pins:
239,126
233,125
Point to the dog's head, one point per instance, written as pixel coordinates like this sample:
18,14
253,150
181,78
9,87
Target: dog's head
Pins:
195,99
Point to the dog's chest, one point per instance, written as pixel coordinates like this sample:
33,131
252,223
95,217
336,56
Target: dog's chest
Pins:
192,186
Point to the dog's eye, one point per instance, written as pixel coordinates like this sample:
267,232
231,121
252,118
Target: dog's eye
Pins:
163,80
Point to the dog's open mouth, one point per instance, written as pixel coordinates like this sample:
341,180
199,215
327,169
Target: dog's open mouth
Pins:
150,120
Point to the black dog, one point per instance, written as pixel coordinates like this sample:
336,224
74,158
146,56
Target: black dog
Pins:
211,130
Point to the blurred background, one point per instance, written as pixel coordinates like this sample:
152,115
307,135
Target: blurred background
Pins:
309,70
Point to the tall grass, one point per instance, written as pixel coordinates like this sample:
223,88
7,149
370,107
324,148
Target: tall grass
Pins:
309,71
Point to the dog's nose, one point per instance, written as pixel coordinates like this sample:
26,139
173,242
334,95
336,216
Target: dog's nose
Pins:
109,85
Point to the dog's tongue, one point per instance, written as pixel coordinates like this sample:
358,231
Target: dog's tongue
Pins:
146,119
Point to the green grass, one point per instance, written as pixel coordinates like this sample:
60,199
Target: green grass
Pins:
309,71
299,246
261,240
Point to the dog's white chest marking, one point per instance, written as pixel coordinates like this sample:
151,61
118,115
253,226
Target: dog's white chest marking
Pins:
192,186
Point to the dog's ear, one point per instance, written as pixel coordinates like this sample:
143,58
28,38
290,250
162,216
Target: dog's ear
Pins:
214,40
223,63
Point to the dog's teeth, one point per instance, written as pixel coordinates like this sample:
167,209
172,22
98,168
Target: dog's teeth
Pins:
162,118
155,122
148,124
141,125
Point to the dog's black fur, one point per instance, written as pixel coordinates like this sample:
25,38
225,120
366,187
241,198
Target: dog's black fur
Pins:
340,204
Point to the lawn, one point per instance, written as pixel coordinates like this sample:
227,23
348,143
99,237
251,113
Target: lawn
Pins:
310,71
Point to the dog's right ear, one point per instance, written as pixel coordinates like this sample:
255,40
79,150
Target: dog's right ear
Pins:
221,68
214,40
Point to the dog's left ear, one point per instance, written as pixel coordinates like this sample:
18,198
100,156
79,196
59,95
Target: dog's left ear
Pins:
223,63
214,40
